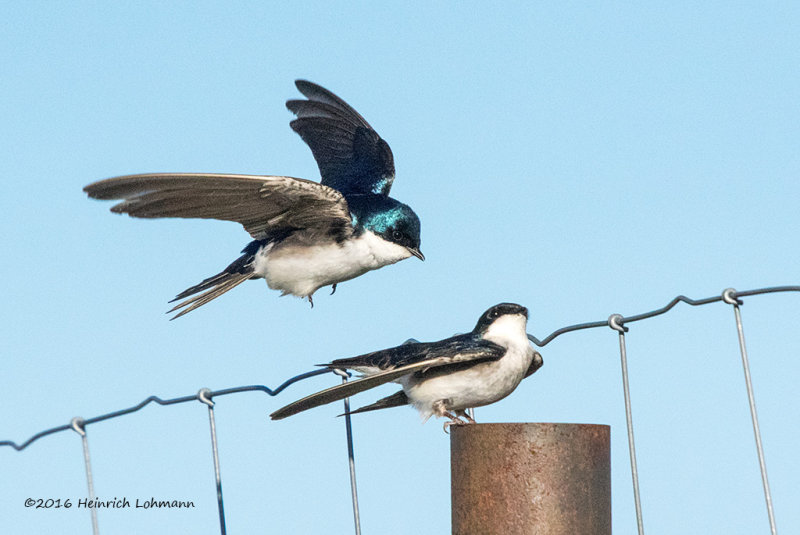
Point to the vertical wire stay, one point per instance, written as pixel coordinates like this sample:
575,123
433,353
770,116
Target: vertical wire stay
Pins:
79,426
615,322
729,297
350,456
204,396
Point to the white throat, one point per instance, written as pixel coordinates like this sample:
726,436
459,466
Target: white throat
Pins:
508,330
383,252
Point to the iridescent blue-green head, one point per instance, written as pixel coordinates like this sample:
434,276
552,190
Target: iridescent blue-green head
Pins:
392,220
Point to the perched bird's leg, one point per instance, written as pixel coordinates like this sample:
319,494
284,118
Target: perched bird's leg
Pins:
311,301
333,290
465,414
440,409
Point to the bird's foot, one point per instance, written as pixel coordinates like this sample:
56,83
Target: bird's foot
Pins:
333,290
466,416
311,301
454,421
440,410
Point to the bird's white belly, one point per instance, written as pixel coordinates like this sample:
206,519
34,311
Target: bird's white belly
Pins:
301,269
477,386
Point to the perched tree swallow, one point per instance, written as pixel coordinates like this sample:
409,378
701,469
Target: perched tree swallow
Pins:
443,378
306,235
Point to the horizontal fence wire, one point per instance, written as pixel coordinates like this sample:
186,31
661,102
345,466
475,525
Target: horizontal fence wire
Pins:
622,320
172,401
657,312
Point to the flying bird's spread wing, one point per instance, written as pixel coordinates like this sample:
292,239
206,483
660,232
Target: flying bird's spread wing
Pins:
351,156
456,352
262,204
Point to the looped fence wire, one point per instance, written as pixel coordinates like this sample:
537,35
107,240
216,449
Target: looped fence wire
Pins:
616,321
622,320
205,396
172,401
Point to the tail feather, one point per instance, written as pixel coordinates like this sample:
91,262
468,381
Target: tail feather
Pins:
241,266
225,284
397,399
205,285
232,276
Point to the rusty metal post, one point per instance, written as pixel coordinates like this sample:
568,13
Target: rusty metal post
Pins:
543,479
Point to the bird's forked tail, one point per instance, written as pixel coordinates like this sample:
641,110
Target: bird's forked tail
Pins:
211,288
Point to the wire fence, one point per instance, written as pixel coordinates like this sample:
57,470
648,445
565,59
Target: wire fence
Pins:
616,322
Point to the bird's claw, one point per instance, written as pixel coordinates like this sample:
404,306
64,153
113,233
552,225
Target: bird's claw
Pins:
454,421
311,301
333,290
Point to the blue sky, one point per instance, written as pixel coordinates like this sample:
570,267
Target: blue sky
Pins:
580,160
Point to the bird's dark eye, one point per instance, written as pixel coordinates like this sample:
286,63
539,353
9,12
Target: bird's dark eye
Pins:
494,314
397,235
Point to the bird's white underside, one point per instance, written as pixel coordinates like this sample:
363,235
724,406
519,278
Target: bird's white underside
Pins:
302,270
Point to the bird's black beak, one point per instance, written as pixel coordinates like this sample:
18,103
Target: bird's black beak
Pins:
416,252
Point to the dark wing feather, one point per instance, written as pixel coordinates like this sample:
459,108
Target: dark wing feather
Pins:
398,399
415,359
262,204
409,353
351,156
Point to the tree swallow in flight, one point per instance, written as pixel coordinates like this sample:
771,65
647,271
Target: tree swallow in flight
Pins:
443,378
306,234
